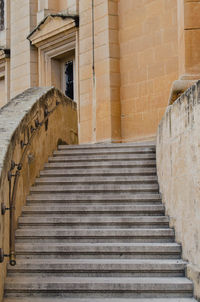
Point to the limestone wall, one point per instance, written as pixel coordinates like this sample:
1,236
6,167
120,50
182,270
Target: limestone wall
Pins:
134,46
178,165
24,17
53,6
148,37
72,6
23,66
99,92
16,120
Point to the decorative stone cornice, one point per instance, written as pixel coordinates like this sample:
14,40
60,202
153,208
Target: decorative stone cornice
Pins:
39,33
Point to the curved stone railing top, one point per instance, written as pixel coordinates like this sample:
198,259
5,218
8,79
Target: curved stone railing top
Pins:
12,115
31,126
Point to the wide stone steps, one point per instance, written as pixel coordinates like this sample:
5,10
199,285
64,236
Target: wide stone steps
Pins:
36,299
94,188
125,147
105,152
91,209
109,146
98,268
102,164
103,250
105,287
95,235
94,222
94,229
99,158
139,151
97,180
103,199
102,171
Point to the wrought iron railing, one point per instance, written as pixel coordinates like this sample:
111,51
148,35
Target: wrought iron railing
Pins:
14,172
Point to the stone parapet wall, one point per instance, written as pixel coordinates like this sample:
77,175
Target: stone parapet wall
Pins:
17,124
178,165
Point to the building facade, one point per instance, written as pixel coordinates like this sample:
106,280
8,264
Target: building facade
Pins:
122,61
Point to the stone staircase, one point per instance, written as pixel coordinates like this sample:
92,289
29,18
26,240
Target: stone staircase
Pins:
94,229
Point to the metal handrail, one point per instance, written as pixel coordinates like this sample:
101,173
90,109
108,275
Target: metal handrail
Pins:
13,191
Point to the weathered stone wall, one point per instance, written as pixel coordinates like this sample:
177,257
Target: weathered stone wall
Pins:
136,60
16,119
178,164
52,6
148,38
23,63
100,115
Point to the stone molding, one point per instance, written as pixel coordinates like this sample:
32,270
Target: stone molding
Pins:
52,25
54,37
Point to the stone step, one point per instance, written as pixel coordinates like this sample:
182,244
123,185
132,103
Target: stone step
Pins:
103,164
36,299
99,158
123,171
95,235
95,188
98,267
94,229
94,221
104,152
152,198
106,250
97,180
90,209
115,146
93,287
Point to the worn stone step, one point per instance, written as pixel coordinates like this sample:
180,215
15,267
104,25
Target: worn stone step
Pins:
95,235
36,299
98,267
95,188
103,164
115,146
99,158
90,209
123,171
106,287
97,180
94,228
106,250
98,222
105,152
136,198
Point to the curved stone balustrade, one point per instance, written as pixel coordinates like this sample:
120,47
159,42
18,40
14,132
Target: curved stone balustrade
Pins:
41,118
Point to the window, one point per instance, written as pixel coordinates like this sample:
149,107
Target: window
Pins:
57,52
1,14
62,74
69,79
68,74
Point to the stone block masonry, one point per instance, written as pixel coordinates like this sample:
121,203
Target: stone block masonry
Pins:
178,164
